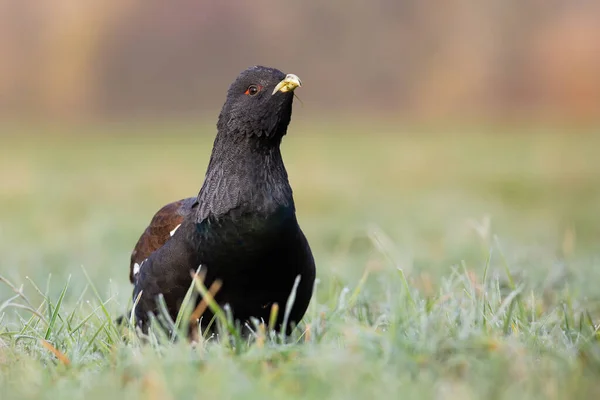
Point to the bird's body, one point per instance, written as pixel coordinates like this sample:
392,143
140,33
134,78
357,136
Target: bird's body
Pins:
242,227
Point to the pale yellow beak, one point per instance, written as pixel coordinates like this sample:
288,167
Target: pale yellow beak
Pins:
290,83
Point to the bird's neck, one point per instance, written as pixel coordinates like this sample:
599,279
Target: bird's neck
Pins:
247,174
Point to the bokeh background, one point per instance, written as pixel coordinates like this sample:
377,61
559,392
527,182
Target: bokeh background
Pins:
433,125
65,59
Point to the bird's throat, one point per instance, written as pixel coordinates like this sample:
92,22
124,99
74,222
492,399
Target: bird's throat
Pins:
248,175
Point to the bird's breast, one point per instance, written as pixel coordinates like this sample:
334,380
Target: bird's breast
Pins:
243,236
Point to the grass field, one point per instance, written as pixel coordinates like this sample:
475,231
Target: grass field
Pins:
451,265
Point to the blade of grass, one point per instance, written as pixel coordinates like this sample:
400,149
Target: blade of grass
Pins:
201,308
213,305
56,309
488,261
61,357
111,325
288,308
166,316
93,338
359,286
273,316
185,310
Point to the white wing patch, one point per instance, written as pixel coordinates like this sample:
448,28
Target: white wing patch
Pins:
137,267
173,231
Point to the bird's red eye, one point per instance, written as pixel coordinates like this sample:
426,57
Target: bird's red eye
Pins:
253,90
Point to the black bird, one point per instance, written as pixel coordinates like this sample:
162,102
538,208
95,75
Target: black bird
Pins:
242,227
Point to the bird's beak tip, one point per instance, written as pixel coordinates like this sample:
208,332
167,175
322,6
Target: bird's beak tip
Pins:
288,84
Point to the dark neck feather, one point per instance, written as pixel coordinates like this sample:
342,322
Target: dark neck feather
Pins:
247,173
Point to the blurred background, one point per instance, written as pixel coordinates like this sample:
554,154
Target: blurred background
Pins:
425,130
456,59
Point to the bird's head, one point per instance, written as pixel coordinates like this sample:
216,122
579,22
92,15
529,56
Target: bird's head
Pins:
259,103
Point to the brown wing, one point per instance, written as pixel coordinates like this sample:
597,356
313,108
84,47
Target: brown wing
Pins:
159,231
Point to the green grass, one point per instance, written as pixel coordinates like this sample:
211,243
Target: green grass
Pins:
451,265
